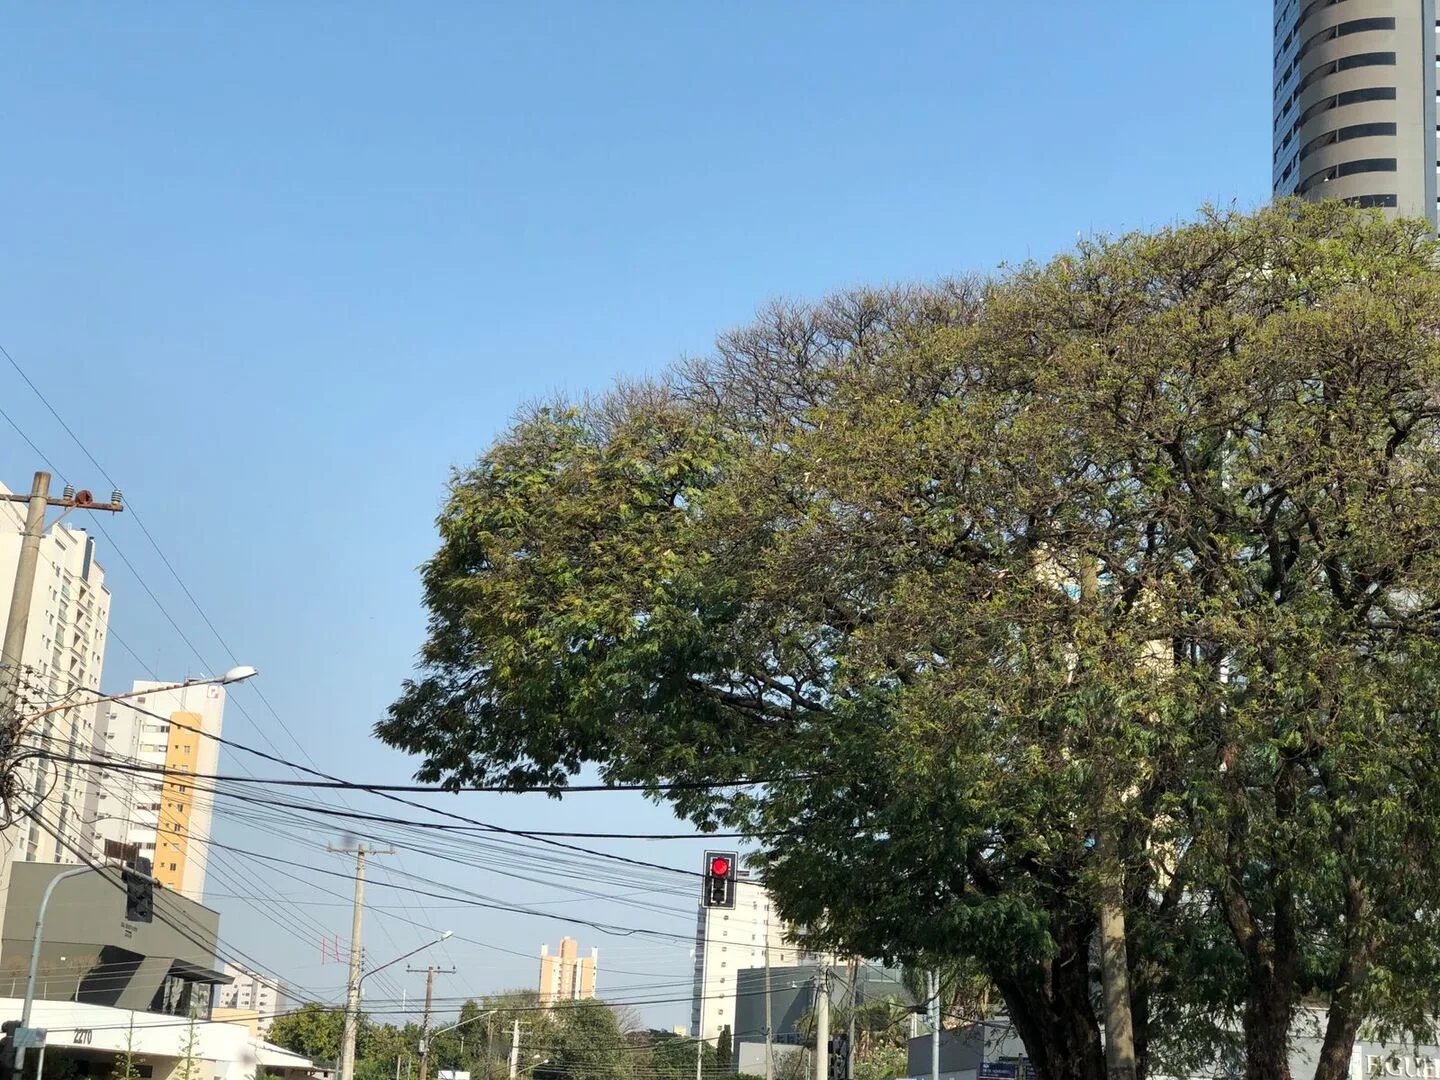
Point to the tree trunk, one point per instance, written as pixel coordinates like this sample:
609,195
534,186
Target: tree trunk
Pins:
1267,1027
1053,1012
1114,966
1343,1021
1271,959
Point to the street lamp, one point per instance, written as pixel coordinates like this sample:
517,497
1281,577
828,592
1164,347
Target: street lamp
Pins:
236,674
352,1005
427,1037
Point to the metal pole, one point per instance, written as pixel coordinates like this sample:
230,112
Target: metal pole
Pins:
699,1049
822,1024
515,1050
40,1064
35,952
352,989
934,978
854,1008
769,1018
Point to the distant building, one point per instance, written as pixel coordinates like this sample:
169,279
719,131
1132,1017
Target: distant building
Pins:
63,654
159,813
727,941
567,976
252,993
791,991
1355,103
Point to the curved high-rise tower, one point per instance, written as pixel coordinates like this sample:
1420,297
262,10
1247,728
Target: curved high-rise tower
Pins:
1354,108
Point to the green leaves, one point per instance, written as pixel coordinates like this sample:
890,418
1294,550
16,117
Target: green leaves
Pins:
1143,540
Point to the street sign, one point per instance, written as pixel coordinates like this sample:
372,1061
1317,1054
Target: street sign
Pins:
29,1038
998,1070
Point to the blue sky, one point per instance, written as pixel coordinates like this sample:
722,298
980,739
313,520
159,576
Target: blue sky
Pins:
281,266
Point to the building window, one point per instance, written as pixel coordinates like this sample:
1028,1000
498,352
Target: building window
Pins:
172,866
1390,201
1348,97
1346,168
1352,131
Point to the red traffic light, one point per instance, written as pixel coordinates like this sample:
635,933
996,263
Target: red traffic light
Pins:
720,866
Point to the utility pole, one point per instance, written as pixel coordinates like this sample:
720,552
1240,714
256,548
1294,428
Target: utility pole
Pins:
17,625
352,987
854,1008
425,1024
822,1023
699,1051
934,980
18,622
515,1050
769,1019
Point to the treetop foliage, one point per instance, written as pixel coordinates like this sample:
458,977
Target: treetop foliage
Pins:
1143,539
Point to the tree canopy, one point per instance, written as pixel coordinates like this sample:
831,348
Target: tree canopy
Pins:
927,588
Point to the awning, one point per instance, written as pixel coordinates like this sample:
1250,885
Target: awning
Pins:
183,969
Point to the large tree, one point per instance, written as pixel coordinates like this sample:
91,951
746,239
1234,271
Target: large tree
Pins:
1108,580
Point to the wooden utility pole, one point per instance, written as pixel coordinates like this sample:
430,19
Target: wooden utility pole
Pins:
12,658
12,652
352,986
425,1024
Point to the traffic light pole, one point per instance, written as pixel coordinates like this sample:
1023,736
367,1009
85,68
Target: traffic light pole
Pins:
822,1024
933,978
35,953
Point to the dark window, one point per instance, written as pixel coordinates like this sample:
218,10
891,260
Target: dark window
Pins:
1310,9
1348,97
1346,63
1354,26
1353,131
1374,200
1346,168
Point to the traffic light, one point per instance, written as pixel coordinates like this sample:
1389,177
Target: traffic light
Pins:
719,879
139,893
840,1058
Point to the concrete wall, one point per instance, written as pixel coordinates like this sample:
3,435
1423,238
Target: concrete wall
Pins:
89,952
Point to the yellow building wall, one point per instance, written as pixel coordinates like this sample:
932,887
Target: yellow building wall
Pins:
177,798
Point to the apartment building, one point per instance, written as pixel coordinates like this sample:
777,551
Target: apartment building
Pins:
731,940
566,975
253,994
1354,109
61,662
160,811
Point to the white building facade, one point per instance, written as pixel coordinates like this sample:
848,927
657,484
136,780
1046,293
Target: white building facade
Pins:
61,663
157,811
251,992
1354,110
727,941
100,1034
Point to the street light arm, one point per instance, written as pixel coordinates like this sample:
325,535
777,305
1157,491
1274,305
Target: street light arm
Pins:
462,1023
391,963
234,675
